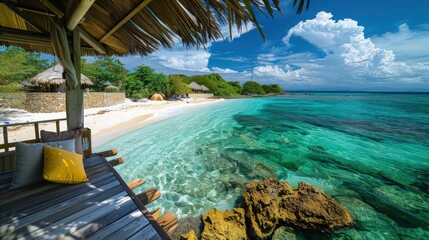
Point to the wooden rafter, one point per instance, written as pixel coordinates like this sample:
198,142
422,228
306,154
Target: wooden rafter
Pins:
91,41
53,8
24,36
126,19
78,14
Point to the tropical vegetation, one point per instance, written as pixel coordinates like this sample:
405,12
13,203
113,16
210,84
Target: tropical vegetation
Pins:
17,65
110,75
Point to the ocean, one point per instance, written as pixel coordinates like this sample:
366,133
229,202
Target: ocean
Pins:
370,151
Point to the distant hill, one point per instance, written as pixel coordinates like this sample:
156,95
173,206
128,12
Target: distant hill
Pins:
217,85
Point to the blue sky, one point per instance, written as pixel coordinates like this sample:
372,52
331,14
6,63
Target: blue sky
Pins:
335,45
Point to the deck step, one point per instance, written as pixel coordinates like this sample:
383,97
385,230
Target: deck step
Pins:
109,153
168,222
135,183
149,195
117,161
156,213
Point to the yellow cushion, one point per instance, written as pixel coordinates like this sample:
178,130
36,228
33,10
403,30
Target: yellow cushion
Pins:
62,166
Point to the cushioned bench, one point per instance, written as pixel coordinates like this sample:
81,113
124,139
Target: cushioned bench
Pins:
103,207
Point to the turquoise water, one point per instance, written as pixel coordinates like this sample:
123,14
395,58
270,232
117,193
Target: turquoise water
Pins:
369,151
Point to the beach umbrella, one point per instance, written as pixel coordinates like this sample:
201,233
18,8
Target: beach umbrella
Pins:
54,77
157,97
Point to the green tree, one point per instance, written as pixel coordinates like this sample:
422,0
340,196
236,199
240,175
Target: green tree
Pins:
104,71
236,86
252,87
145,81
17,65
178,86
272,88
217,85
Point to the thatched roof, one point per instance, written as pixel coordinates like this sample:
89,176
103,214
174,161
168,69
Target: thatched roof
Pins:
54,76
204,88
195,86
117,27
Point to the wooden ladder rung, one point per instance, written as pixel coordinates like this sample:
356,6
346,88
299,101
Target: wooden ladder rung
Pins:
117,161
168,222
135,183
156,213
149,195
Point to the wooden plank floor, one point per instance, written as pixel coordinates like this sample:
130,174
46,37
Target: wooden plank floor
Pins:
103,207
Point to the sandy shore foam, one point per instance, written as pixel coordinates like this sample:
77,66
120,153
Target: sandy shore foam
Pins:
105,123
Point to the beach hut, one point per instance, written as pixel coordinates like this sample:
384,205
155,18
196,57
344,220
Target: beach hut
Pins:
204,88
157,97
195,87
53,78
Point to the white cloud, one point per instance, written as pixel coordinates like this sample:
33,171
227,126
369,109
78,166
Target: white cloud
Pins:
409,45
223,70
191,60
348,53
236,33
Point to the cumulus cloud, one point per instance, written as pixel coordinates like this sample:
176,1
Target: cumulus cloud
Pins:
223,70
236,33
348,53
191,60
408,44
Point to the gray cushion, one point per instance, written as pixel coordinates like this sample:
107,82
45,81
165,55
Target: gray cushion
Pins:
29,161
75,134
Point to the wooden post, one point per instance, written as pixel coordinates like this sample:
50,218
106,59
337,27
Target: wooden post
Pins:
74,97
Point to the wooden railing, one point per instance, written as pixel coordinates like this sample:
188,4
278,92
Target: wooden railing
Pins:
7,156
6,144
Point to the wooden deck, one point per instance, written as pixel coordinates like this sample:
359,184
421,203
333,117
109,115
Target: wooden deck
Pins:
103,207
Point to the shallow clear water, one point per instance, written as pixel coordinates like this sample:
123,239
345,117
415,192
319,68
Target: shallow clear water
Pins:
369,151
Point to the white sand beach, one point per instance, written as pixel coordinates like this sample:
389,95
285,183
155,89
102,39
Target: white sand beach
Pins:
105,123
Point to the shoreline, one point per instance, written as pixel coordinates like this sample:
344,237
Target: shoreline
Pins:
106,123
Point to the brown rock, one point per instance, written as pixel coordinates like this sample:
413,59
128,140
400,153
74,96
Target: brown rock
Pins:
228,225
271,203
189,236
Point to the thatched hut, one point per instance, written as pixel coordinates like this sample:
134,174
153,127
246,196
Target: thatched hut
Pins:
204,88
52,78
157,97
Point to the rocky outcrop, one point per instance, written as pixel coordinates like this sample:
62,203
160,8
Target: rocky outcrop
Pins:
228,225
270,204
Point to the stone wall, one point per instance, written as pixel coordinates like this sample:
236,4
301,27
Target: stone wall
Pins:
12,100
200,95
56,102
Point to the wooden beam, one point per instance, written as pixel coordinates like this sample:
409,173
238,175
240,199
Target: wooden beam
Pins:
78,14
74,95
91,41
36,11
23,36
53,8
117,161
27,18
109,153
149,195
156,213
126,19
135,183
